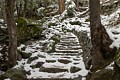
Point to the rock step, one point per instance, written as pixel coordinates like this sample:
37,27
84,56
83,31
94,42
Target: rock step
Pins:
68,37
68,34
68,48
54,79
67,51
62,46
65,54
69,41
53,70
69,44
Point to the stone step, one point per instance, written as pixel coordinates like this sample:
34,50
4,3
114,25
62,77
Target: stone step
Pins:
67,37
62,46
65,54
68,47
53,70
67,51
69,40
69,44
55,79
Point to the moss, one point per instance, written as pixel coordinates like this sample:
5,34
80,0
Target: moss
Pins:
26,30
117,57
51,46
21,22
15,74
56,38
24,54
70,12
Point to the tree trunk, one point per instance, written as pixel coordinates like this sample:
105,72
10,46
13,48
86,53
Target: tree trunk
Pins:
61,6
12,50
99,37
25,8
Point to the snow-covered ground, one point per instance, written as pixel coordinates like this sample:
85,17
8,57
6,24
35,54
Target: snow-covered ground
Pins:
65,24
75,61
62,26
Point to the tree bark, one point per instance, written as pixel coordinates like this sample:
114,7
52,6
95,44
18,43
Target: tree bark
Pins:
99,37
25,8
61,6
12,50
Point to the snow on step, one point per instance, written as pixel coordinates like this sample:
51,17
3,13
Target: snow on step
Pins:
68,47
67,54
69,44
67,51
59,65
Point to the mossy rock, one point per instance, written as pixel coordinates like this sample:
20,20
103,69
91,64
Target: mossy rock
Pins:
117,57
56,38
70,12
26,30
50,47
14,74
21,22
24,54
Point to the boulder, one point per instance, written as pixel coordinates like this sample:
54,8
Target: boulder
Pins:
14,74
24,54
50,45
27,30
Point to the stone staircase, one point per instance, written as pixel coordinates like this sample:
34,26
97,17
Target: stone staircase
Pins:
65,62
69,45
